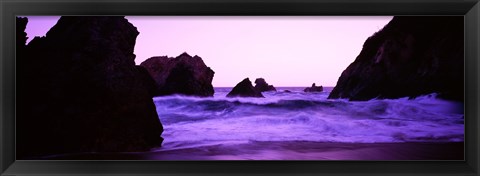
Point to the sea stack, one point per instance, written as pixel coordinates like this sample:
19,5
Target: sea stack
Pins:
314,88
185,75
261,85
244,89
81,91
409,57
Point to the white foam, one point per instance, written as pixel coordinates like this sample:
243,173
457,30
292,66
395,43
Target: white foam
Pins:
422,119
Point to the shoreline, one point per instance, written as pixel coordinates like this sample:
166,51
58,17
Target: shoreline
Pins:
292,150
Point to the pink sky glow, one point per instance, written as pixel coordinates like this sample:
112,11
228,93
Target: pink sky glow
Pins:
286,51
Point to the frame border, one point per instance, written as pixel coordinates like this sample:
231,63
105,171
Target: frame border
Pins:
10,8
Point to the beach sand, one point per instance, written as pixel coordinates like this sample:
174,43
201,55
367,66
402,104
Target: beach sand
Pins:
292,150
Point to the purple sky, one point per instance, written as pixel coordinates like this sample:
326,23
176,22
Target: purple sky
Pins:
286,51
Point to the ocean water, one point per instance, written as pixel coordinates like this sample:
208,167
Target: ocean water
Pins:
193,122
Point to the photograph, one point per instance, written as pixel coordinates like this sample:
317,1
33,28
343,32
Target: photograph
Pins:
282,88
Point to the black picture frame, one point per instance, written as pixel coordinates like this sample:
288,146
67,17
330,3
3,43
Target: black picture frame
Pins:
10,8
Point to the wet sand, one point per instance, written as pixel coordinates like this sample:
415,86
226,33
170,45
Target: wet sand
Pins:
294,150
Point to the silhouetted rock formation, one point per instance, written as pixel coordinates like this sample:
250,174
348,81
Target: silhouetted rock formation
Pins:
21,40
409,57
184,74
80,91
145,77
244,89
261,85
313,88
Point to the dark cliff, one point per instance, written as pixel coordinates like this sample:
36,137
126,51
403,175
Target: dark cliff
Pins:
409,57
80,91
184,75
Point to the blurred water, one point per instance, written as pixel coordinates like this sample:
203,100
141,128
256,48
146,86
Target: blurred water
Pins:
191,122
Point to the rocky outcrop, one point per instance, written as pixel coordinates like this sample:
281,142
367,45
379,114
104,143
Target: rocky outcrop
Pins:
80,91
244,89
184,75
314,88
21,35
409,57
145,77
262,86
